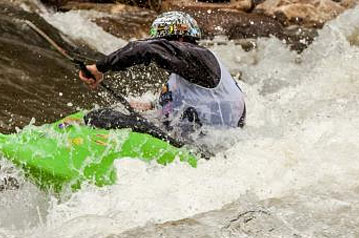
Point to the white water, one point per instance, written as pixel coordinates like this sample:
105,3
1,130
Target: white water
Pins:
79,26
301,142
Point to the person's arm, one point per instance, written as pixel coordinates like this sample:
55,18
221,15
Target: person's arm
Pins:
194,63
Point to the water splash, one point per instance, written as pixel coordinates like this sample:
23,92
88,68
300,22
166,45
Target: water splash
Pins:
299,148
83,29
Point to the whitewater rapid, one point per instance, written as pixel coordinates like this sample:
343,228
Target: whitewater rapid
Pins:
301,140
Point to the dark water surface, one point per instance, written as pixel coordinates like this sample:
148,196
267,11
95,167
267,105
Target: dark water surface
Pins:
37,82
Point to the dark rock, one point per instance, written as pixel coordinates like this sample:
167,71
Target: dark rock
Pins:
256,2
129,22
126,22
33,73
246,25
38,82
127,29
232,5
59,3
55,3
299,37
240,25
309,13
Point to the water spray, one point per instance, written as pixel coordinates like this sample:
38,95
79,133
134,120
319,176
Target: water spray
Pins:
141,124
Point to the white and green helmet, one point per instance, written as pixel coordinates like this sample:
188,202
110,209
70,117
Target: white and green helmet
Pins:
175,23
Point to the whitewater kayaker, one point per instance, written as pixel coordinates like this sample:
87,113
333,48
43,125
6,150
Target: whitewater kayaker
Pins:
200,90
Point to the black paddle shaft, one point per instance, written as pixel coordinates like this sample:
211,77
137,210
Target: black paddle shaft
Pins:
82,67
142,124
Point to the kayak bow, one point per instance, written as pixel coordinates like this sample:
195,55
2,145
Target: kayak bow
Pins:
67,153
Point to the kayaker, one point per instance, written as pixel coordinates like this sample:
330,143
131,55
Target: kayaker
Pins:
200,90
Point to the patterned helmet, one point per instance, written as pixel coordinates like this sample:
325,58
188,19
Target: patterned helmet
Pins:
175,23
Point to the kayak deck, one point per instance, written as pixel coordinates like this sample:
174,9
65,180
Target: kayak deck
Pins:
67,153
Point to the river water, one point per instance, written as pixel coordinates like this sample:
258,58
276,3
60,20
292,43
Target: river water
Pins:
296,159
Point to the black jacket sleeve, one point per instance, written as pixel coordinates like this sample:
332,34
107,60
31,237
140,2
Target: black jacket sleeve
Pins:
194,63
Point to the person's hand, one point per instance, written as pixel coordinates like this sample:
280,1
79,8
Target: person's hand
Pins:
90,82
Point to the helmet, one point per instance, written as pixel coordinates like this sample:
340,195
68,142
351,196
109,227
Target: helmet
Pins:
175,23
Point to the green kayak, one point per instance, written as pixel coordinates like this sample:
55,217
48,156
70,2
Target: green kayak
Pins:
67,153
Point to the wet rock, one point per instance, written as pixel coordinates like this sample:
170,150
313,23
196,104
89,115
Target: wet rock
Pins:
165,5
128,22
256,2
111,8
124,21
132,22
235,24
239,219
38,82
311,13
124,26
299,37
58,3
240,25
234,5
33,73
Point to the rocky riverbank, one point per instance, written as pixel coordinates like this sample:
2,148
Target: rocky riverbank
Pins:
292,21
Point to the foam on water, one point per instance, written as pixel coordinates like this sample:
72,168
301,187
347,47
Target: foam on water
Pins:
301,135
78,25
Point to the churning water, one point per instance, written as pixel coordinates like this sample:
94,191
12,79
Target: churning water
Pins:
297,158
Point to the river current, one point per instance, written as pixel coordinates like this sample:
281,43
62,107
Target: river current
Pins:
296,159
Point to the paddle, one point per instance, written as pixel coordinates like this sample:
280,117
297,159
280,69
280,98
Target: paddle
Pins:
81,65
141,124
